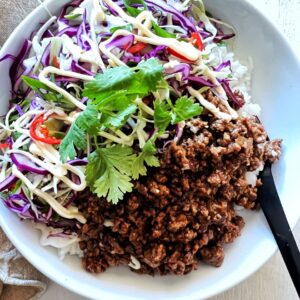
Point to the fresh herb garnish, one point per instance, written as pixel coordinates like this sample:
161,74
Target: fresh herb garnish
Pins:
109,172
86,122
116,95
162,115
115,90
185,109
35,84
116,113
145,158
165,112
125,82
75,138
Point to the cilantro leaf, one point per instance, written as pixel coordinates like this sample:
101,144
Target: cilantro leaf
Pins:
166,113
162,32
88,119
162,115
75,138
107,83
150,73
109,171
117,118
114,90
125,82
185,109
86,122
132,10
146,157
113,185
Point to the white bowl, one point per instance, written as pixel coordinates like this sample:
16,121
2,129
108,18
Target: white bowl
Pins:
275,87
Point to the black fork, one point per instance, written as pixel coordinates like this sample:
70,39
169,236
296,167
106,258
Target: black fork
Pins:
273,210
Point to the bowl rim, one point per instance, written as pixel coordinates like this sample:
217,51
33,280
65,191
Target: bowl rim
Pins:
113,296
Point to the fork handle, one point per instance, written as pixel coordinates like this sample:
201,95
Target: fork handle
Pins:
273,210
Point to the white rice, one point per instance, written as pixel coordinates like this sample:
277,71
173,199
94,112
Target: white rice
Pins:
65,246
240,72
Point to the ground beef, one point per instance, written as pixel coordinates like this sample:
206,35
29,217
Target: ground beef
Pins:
184,211
216,101
210,97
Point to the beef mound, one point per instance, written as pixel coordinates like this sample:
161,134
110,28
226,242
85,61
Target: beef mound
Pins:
184,211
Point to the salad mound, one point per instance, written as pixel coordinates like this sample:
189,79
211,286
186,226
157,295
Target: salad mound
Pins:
100,95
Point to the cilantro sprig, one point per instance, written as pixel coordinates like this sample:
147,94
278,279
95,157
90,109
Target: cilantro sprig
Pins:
145,158
109,172
166,113
114,91
86,123
114,97
124,82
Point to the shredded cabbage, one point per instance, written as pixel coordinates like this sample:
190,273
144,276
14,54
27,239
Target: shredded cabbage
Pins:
72,75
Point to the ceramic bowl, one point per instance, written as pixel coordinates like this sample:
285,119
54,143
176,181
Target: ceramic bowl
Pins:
275,86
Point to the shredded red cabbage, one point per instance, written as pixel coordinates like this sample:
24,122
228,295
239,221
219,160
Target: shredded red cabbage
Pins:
19,110
201,81
237,101
23,163
18,203
7,56
45,59
122,42
78,162
34,104
69,31
8,182
185,69
220,38
76,67
159,52
163,6
223,65
17,65
64,11
82,34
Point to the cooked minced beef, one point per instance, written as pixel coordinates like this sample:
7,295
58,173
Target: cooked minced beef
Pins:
183,211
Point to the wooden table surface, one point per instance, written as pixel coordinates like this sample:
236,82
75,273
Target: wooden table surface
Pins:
271,282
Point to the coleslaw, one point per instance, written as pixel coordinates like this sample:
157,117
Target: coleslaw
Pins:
97,92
